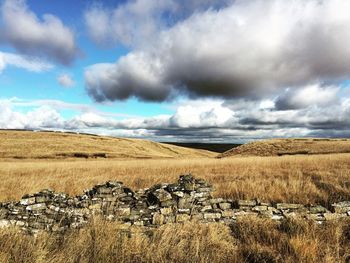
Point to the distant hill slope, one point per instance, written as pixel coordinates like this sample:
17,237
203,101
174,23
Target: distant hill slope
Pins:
213,147
58,145
278,147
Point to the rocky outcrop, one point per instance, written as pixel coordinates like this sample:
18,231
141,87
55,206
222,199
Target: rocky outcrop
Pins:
188,199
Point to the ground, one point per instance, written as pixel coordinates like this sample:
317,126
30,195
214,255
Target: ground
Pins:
303,178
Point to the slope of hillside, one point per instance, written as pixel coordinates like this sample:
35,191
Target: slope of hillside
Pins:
278,147
213,147
57,145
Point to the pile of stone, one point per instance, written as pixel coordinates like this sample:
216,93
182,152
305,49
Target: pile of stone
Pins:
188,199
45,210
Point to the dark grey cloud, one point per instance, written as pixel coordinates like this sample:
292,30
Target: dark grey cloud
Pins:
193,120
47,38
244,49
328,119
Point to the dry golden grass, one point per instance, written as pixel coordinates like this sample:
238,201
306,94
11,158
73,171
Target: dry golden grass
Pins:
250,240
57,145
319,179
277,147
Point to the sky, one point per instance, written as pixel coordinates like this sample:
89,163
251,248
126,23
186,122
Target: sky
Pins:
177,70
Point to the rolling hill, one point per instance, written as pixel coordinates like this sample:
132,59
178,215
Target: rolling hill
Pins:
60,145
279,147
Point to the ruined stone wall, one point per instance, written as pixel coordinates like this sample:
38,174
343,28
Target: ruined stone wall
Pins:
188,199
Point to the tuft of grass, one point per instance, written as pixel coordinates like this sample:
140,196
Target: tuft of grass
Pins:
249,240
105,241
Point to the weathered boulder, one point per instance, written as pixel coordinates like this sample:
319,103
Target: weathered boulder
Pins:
158,196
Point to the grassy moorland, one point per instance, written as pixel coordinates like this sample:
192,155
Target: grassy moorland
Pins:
319,179
315,179
57,145
279,147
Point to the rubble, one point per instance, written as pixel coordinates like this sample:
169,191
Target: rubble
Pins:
188,199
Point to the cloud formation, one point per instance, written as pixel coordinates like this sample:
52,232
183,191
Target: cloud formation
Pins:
242,49
128,24
307,96
238,120
66,80
136,22
47,38
24,62
40,118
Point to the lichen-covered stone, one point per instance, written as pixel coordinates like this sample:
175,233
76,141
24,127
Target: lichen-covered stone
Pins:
317,209
185,202
41,199
225,206
178,194
104,189
161,195
36,207
277,217
212,215
206,208
259,208
27,201
184,211
285,206
246,203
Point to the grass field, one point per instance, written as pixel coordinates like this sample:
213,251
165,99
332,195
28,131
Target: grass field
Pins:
319,179
59,145
307,179
248,241
279,147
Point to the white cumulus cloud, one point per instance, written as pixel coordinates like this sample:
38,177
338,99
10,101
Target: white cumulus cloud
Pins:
310,95
66,80
24,62
48,37
40,118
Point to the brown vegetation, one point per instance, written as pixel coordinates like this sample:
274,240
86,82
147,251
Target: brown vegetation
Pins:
315,179
250,240
321,179
58,145
279,147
